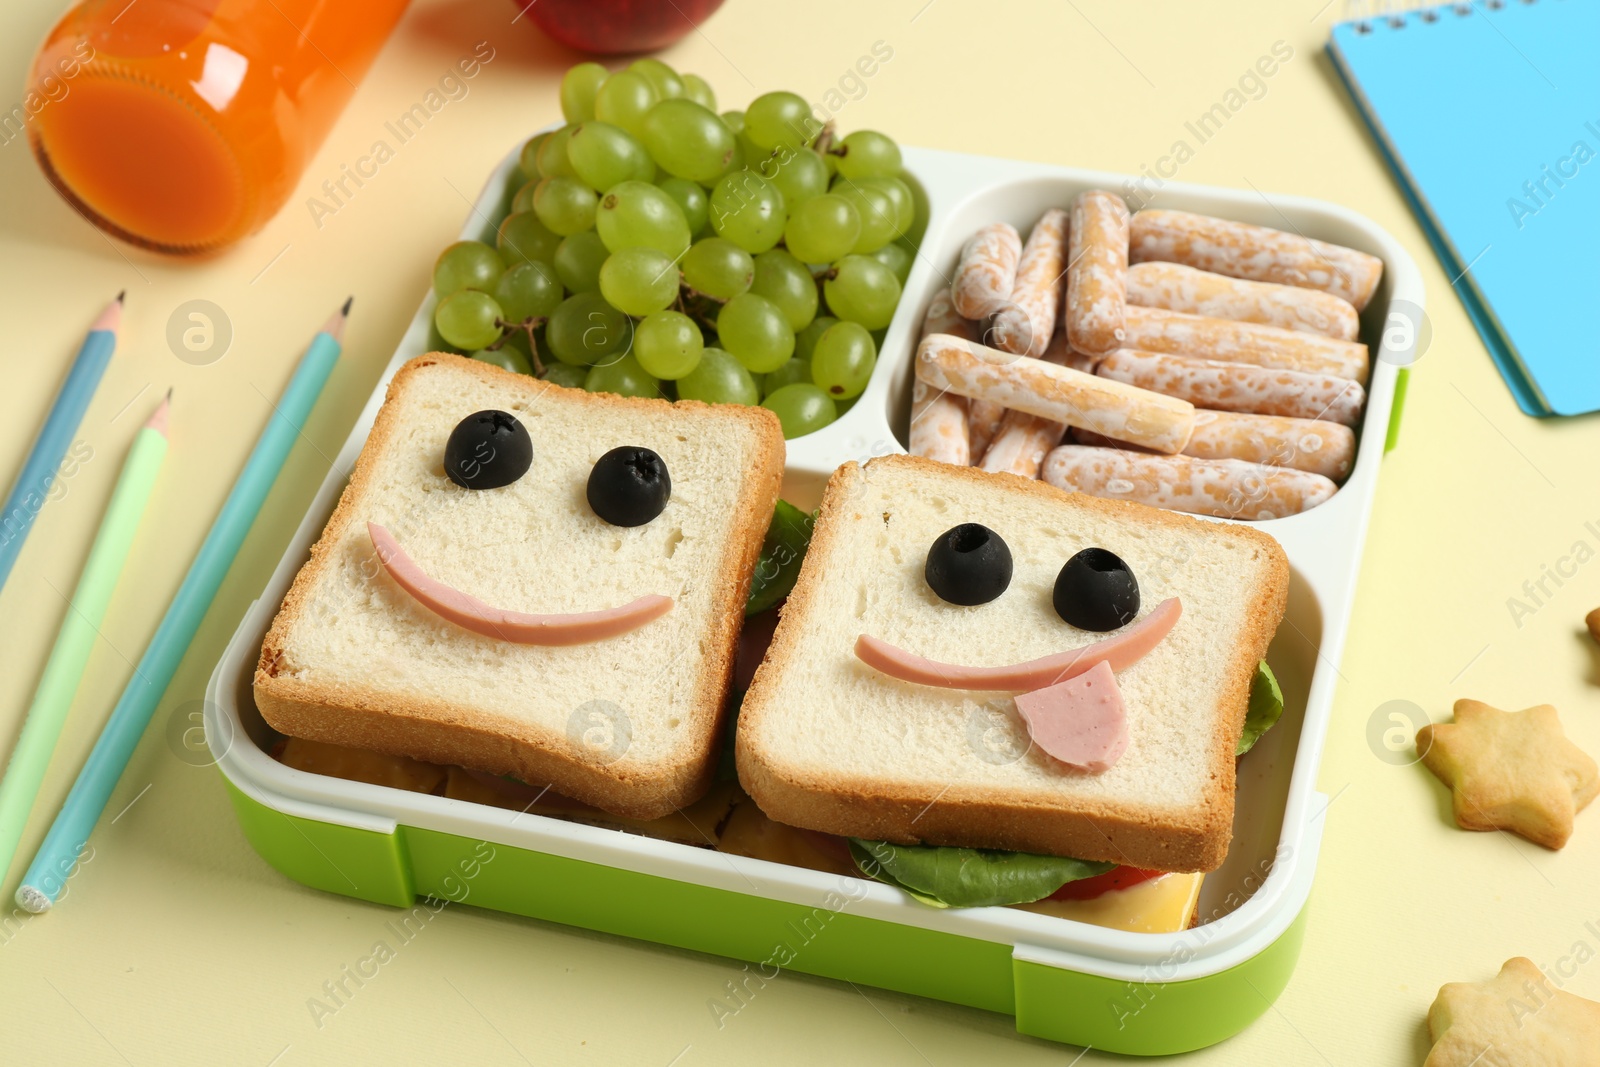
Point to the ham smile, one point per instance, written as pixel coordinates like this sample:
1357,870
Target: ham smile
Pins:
1069,701
1120,651
470,613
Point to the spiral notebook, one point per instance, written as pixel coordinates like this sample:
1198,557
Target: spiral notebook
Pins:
1489,114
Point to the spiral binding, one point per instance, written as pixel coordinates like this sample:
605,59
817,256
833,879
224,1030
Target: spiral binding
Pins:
1398,14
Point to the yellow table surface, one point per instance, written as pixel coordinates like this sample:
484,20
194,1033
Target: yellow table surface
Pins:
177,944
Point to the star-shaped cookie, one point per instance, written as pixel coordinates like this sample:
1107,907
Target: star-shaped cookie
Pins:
1519,1018
1511,770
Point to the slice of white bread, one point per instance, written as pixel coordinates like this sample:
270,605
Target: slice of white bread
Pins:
630,724
827,743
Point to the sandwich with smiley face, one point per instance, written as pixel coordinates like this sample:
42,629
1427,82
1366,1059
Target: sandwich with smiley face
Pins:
534,582
1039,685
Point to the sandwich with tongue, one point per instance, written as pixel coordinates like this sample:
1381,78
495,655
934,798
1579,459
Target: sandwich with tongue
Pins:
1002,693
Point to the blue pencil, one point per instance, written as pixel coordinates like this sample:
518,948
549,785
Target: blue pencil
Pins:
69,834
33,484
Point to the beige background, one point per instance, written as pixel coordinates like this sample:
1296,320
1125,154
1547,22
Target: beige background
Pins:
177,944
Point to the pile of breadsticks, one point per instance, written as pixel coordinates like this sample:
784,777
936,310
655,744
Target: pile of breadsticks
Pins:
1179,360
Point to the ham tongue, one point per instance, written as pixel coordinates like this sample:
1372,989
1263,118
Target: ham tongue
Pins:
1081,721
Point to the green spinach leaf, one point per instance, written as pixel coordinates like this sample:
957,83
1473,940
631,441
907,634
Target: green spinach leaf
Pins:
782,552
1266,707
968,877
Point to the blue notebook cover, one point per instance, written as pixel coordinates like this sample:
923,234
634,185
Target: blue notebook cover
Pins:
1489,114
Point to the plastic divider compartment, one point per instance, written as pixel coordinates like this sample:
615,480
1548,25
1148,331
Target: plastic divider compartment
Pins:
1135,993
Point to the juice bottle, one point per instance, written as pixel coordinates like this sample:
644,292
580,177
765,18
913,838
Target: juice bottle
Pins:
183,125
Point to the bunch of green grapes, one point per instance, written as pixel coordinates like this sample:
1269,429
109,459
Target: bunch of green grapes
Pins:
657,248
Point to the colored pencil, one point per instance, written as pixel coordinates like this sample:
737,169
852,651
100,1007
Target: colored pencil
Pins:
87,609
39,470
69,835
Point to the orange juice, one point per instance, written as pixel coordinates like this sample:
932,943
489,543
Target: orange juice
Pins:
183,125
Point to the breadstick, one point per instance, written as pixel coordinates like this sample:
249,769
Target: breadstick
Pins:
1314,445
942,317
988,271
982,417
1227,487
938,418
1060,351
1022,440
1024,326
1097,272
939,425
1060,394
1174,287
1020,444
983,422
1256,253
1179,334
1221,386
986,417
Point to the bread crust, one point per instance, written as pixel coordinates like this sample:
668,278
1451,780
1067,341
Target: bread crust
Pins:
1017,819
442,731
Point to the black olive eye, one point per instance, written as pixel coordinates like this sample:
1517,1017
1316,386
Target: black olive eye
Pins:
629,486
486,450
1096,591
968,564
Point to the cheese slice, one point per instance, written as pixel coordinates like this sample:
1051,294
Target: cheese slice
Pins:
1162,905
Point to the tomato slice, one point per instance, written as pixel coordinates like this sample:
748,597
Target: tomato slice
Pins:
1100,884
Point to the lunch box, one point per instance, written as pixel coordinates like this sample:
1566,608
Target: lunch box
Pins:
1136,993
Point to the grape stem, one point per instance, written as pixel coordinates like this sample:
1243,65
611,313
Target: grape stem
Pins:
529,325
687,292
824,142
699,307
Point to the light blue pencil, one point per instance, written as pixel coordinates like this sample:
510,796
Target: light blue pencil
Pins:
69,835
39,471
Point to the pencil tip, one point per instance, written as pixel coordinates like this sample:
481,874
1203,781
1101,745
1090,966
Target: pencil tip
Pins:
110,317
334,327
120,294
158,417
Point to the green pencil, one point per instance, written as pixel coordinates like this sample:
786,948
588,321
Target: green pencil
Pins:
64,670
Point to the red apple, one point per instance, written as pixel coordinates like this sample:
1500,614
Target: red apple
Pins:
615,27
